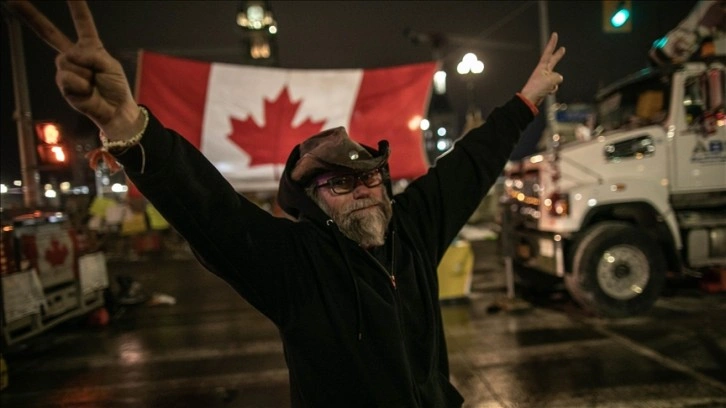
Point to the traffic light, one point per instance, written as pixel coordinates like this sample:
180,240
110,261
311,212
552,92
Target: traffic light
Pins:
50,148
616,16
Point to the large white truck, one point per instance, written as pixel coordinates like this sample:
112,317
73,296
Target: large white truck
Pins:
640,199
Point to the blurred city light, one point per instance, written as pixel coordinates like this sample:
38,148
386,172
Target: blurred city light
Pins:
661,42
470,67
425,124
470,64
119,188
255,17
415,122
80,190
443,144
440,82
616,16
58,153
620,17
49,132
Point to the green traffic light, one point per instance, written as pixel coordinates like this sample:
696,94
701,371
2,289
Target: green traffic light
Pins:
620,17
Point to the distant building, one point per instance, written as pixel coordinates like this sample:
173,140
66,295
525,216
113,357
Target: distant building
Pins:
259,28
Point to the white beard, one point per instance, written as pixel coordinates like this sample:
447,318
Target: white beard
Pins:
367,227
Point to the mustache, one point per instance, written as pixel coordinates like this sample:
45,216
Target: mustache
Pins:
359,204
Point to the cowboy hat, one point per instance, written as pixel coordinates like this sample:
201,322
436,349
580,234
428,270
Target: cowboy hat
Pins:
334,150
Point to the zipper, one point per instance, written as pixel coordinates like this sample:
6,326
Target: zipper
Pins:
390,274
401,329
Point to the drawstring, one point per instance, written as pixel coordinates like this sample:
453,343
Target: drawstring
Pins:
430,306
359,308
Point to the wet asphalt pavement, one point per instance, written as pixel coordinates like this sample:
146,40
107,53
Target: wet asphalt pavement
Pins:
211,349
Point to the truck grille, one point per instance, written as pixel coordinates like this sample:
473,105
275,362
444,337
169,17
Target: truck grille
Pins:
521,199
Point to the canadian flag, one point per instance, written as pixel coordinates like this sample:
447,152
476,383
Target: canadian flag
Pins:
246,119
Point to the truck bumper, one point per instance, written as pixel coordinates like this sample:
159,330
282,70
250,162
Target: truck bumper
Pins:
538,250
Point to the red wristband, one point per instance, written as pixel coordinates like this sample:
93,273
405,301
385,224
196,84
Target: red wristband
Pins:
529,103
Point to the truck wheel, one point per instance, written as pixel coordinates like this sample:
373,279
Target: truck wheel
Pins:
617,271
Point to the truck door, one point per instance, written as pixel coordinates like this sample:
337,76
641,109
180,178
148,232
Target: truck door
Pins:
700,145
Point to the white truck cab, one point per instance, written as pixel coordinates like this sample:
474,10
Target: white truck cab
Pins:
644,198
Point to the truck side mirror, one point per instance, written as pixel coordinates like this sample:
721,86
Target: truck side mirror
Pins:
635,148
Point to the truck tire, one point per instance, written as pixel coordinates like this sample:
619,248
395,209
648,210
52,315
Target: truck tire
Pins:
617,271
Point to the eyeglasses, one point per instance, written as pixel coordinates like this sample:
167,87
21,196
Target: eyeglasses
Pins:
345,184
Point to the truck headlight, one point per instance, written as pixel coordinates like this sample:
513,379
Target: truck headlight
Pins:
558,204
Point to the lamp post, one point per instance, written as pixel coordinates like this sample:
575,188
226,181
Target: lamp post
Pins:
469,67
439,130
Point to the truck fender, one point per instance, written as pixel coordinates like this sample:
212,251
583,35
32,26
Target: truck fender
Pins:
629,196
642,214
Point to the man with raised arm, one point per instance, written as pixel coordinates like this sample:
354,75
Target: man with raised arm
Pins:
351,283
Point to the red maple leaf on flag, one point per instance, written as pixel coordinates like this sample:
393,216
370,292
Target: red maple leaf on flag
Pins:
56,254
272,143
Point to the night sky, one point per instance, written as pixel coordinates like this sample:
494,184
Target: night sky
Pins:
353,34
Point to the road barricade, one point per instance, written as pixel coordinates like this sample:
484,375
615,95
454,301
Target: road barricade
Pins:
456,271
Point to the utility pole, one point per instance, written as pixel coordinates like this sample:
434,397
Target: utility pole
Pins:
22,115
544,36
511,302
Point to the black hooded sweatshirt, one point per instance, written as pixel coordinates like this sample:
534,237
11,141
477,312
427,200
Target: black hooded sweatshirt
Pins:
351,337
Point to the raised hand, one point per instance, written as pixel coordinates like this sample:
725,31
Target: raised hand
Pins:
88,77
544,80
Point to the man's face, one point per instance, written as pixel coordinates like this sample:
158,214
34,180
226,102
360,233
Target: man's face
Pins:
363,213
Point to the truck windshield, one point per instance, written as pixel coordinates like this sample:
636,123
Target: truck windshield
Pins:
634,105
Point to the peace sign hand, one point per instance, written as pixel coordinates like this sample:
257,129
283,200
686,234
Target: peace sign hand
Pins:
89,78
544,80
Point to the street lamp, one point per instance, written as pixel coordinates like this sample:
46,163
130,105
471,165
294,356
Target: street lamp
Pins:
440,127
469,67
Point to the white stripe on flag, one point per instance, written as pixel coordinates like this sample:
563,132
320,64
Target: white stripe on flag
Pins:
240,92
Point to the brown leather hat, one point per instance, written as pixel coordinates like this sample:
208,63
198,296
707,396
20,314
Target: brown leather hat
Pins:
332,149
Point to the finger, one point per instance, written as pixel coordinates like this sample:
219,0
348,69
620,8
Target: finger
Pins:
64,63
93,58
556,57
549,49
83,20
39,23
72,85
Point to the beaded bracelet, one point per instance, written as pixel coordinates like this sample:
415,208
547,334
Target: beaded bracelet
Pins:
126,143
102,154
